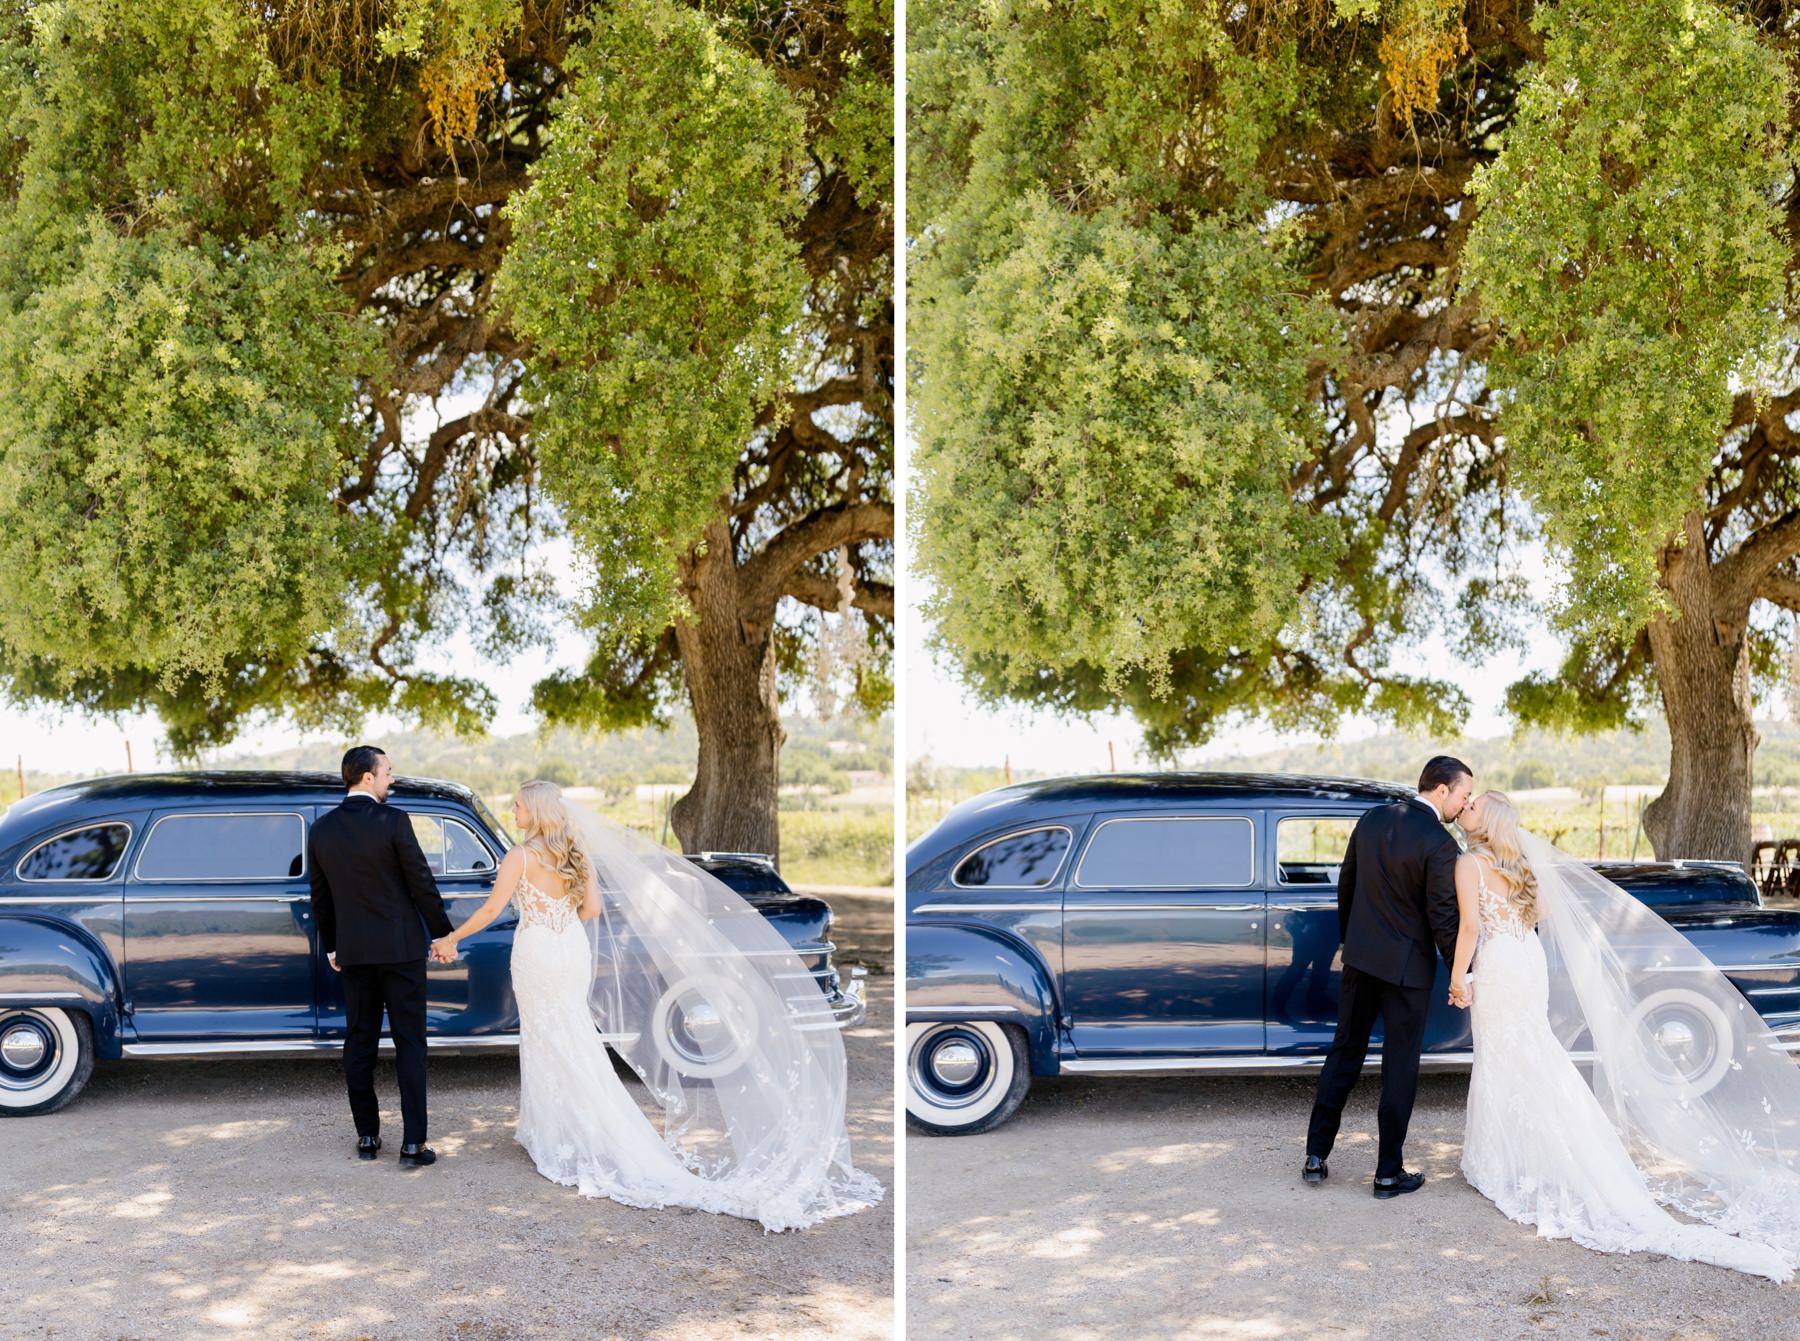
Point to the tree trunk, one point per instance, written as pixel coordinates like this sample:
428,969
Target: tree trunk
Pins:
728,660
1702,664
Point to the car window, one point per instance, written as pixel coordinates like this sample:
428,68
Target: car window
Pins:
224,847
463,851
83,854
1027,860
1177,852
747,877
450,846
1310,848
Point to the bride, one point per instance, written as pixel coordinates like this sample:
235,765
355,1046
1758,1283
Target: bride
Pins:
621,941
1694,1162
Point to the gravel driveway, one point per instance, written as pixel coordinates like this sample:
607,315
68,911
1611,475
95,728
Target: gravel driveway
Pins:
223,1199
1174,1209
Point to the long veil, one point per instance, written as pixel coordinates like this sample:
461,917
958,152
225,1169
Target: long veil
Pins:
1692,1078
726,1026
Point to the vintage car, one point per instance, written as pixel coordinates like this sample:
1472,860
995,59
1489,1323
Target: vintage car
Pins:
169,915
1187,922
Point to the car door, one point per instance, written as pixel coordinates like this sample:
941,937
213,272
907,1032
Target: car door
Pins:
1306,851
219,935
1163,936
473,995
1305,955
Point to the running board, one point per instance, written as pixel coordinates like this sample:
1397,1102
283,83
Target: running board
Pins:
320,1047
1243,1066
1262,1065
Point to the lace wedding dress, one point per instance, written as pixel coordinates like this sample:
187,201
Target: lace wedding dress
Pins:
722,1022
577,1121
1539,1142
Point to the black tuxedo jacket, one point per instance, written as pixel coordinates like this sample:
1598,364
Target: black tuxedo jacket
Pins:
1397,894
371,885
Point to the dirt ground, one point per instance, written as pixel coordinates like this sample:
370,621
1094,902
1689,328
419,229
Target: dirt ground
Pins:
1173,1208
224,1199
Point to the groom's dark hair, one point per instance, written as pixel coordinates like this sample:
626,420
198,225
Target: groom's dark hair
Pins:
1443,771
358,762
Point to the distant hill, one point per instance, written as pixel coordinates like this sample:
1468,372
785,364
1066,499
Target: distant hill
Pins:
1521,762
614,761
1527,760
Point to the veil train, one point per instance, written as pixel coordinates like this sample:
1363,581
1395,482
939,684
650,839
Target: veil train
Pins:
1691,1077
726,1027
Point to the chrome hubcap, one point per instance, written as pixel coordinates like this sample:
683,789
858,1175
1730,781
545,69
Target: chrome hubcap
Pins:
29,1050
952,1067
1675,1036
703,1022
23,1047
956,1063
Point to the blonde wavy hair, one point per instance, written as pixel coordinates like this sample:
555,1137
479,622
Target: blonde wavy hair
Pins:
1498,841
550,833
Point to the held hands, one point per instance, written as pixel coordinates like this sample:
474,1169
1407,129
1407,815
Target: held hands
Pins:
1460,994
443,950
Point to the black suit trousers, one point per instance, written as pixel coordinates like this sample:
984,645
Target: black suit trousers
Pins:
1362,999
399,990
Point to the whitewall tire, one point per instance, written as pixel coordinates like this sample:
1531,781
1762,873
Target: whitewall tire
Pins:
964,1077
46,1057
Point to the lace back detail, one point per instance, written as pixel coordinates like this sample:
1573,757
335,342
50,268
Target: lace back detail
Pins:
536,908
1498,916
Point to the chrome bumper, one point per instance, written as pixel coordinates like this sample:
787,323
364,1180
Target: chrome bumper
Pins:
850,1009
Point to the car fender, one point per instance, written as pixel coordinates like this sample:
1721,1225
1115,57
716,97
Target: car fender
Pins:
965,972
47,962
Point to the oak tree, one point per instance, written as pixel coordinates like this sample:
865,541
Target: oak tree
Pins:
1478,275
320,318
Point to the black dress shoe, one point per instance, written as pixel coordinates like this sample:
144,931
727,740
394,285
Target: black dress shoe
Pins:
367,1146
416,1156
1314,1170
1398,1185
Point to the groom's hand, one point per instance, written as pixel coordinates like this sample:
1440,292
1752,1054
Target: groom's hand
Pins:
1459,996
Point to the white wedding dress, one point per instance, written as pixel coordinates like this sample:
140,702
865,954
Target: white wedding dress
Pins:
577,1121
722,1022
1540,1144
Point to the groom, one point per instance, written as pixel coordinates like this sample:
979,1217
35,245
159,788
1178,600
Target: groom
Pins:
1396,897
371,887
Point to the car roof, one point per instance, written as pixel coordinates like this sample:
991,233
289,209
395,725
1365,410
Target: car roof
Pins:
1200,785
77,800
1043,797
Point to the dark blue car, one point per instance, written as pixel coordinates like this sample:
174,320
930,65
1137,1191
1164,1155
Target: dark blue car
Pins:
1187,922
169,915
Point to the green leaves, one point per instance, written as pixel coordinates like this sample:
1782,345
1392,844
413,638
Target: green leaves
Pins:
1106,430
654,277
174,434
1629,245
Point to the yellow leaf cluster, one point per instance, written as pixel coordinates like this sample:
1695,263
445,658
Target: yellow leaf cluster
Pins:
1426,38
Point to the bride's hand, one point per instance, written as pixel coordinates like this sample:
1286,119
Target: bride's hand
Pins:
443,950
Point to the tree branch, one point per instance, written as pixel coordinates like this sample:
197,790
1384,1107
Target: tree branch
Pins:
873,598
766,575
1738,575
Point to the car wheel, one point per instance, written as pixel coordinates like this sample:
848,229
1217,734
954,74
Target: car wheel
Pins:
704,1030
963,1078
46,1057
1692,1036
